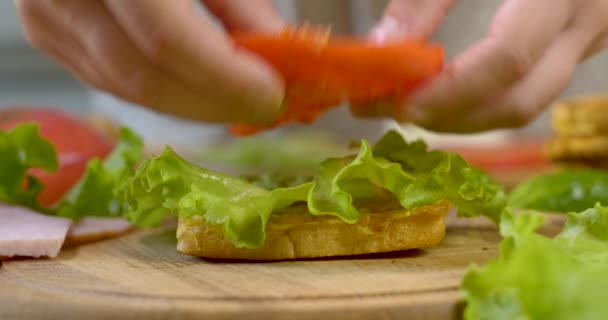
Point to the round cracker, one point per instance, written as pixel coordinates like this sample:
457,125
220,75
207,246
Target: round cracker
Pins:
572,148
581,116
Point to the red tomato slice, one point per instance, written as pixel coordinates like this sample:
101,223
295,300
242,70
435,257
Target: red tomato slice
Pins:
321,73
75,141
503,157
511,163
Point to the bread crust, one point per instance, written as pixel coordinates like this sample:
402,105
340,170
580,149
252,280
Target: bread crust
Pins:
294,233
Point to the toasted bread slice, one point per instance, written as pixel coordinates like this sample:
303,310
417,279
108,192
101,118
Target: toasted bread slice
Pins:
295,233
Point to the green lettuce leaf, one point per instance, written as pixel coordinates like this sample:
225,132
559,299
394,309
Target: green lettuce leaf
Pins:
21,150
94,194
168,184
571,190
276,180
538,277
447,174
288,152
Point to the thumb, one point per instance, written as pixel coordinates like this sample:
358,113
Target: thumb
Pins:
410,19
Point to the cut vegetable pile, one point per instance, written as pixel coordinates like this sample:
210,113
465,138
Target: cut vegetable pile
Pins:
74,142
23,149
70,172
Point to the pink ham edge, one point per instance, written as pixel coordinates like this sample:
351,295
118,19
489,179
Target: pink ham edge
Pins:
93,229
26,233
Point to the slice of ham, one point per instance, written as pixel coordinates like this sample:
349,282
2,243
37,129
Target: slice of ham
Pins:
92,229
26,233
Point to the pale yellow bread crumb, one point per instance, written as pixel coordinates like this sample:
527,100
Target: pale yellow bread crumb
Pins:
294,233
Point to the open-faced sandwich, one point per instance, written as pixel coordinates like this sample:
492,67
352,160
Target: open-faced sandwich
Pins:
392,196
389,197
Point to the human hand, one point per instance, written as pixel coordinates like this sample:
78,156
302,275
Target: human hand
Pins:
508,78
162,54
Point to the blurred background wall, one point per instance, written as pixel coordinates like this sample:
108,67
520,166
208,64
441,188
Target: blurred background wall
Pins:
27,77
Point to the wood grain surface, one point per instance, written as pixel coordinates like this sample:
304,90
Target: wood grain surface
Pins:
142,276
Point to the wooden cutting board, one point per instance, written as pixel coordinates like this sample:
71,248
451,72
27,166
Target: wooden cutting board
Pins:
142,276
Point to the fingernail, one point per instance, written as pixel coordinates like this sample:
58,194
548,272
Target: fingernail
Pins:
389,28
270,118
266,109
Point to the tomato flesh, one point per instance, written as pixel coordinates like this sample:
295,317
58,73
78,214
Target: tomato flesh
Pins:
75,141
321,73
